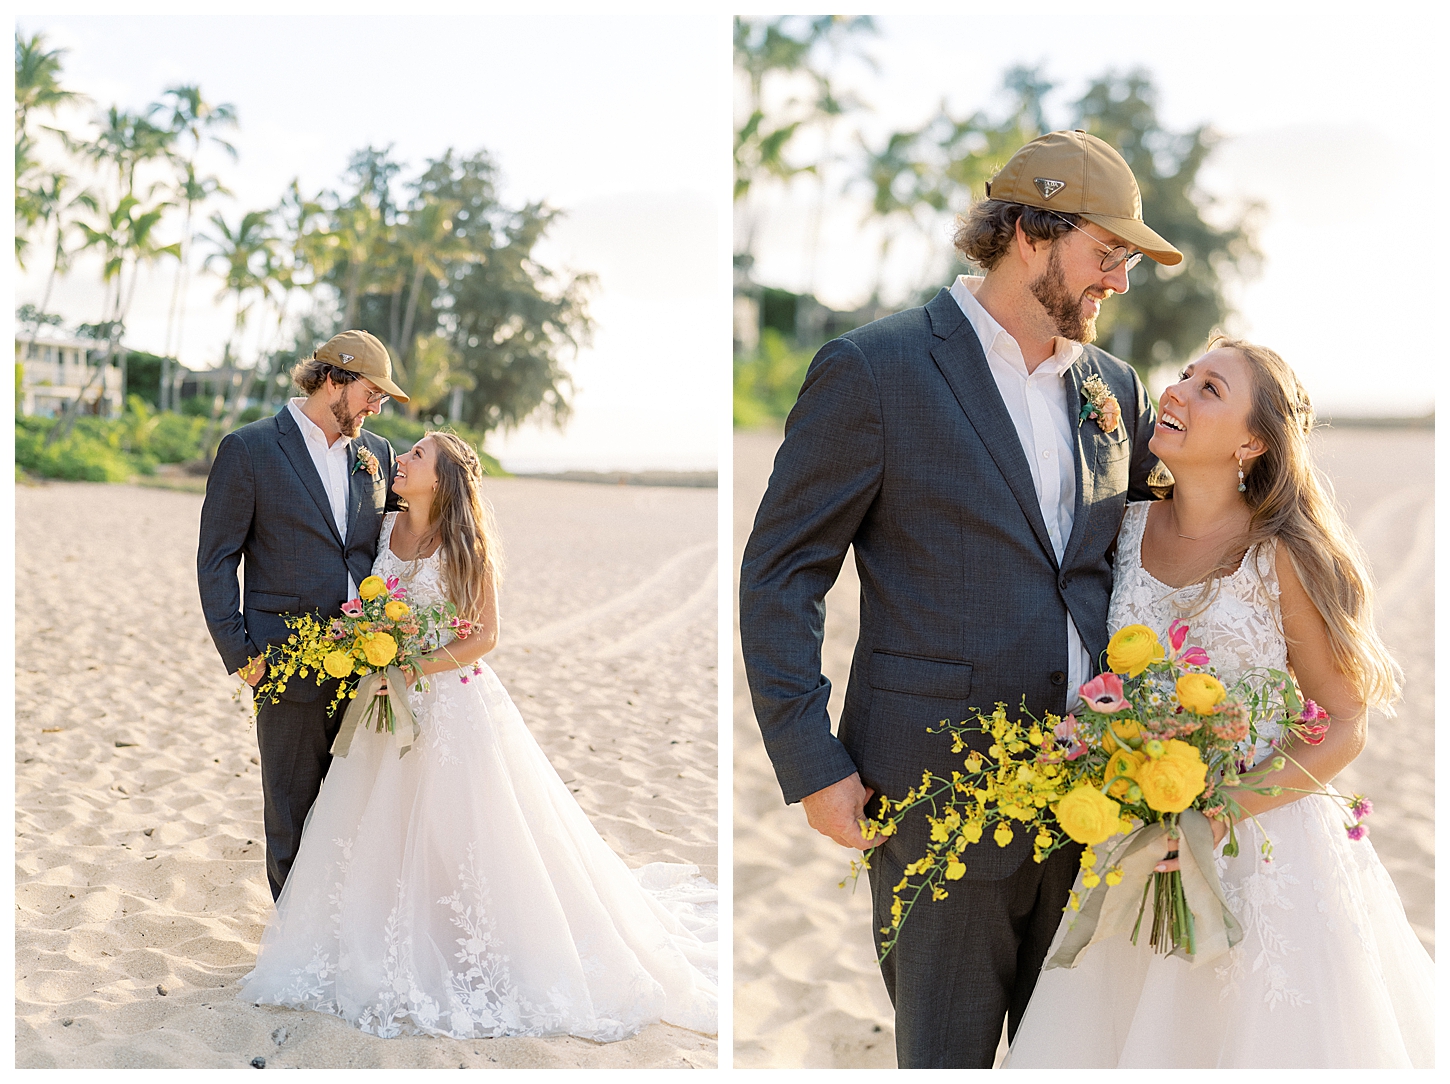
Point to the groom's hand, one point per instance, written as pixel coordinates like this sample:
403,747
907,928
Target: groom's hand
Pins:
254,671
837,811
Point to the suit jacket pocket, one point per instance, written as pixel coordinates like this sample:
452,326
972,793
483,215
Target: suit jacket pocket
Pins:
945,679
1114,445
273,604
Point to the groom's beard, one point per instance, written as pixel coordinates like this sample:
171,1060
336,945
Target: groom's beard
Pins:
349,424
1050,289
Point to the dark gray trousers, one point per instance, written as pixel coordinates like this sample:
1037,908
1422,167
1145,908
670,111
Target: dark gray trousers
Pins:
963,963
293,742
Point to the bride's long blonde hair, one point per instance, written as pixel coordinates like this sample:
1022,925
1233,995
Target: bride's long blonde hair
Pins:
472,561
1288,501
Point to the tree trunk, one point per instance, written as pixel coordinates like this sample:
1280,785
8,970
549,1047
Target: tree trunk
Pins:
354,281
405,353
67,420
162,396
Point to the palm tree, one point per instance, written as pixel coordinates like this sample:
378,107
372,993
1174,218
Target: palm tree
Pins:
430,242
249,256
55,204
126,236
126,140
37,79
189,115
37,88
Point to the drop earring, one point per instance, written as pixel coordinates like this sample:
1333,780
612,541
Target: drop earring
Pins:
1242,487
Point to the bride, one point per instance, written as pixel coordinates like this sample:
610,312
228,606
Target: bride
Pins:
459,890
1250,551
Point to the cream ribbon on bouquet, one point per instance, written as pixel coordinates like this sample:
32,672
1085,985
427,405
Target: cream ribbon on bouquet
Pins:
1106,912
367,706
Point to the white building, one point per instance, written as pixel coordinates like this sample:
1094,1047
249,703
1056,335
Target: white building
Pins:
53,371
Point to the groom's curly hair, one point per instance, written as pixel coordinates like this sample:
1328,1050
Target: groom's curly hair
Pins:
309,374
986,231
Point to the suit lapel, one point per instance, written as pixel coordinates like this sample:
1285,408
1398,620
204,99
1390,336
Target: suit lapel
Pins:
359,482
1085,461
1091,442
963,364
294,446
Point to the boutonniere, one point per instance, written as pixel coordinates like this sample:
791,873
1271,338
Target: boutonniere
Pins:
366,461
1099,404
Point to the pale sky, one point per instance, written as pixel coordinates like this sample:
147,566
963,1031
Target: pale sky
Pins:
1333,121
621,119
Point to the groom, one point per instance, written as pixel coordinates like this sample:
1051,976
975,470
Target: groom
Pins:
944,444
297,500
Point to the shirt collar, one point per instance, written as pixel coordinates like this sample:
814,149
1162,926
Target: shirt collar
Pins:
310,429
994,337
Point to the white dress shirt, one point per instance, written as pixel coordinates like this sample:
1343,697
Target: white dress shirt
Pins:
1037,404
332,463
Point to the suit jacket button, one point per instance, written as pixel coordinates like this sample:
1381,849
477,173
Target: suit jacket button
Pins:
1058,677
1062,583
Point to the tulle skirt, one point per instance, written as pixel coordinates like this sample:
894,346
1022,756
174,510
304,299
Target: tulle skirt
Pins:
460,890
1329,973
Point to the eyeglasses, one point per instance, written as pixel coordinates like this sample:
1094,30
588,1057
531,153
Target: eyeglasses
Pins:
1112,256
377,398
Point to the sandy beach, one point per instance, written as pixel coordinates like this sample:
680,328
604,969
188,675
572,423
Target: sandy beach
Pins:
140,888
807,991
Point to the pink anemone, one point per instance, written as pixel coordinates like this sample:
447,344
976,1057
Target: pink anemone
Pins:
1104,694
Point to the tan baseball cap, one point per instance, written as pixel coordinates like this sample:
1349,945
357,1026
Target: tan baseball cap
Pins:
362,353
1077,173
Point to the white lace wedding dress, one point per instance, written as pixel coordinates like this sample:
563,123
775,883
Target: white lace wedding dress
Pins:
1329,973
460,890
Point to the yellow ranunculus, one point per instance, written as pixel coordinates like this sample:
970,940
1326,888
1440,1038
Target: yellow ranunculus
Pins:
372,588
1125,764
1172,781
380,649
1175,748
1128,730
396,610
1200,693
1087,815
1132,648
338,663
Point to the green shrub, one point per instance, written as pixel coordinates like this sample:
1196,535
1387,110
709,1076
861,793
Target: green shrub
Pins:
177,438
79,457
113,449
768,381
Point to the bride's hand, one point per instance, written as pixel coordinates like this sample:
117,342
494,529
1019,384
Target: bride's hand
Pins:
1170,860
410,671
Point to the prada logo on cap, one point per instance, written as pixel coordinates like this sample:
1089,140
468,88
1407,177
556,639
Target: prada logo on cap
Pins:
348,357
1048,187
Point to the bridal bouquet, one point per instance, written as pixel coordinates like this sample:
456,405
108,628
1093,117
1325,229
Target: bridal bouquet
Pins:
379,633
1145,759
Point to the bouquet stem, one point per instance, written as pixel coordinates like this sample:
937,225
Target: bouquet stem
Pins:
1172,925
379,715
